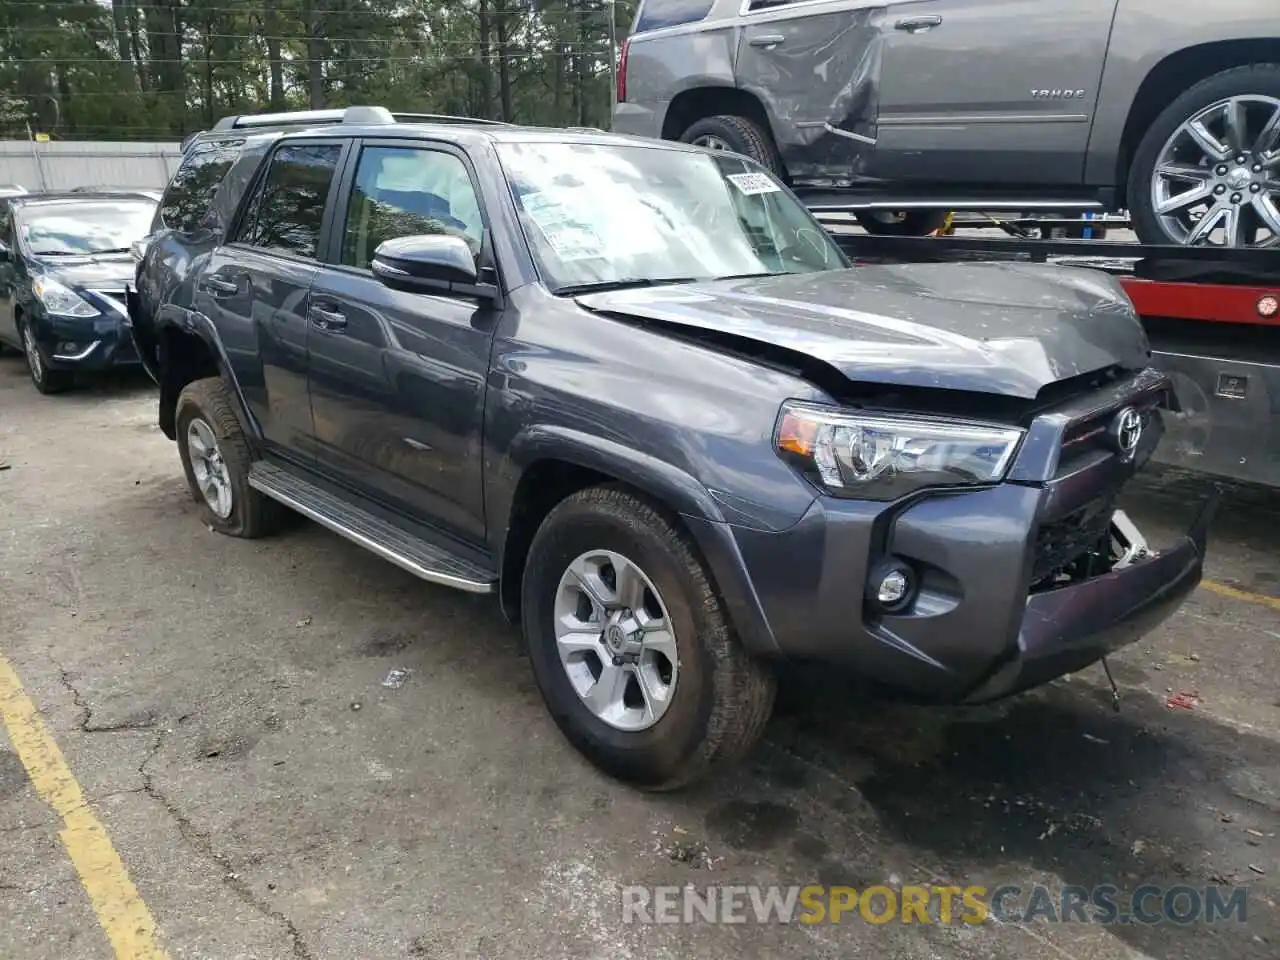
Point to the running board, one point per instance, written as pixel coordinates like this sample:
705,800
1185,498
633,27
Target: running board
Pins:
423,559
835,202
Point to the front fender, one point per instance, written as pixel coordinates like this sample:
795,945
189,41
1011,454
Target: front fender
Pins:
176,370
663,483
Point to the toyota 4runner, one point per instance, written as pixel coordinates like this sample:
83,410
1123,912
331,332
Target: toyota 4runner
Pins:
633,389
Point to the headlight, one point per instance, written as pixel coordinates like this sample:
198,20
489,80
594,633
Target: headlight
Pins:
883,457
60,301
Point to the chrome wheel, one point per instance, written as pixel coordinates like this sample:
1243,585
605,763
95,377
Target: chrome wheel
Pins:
209,468
712,143
34,363
1218,177
615,640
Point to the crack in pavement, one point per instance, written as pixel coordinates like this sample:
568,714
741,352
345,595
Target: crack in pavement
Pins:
204,845
86,725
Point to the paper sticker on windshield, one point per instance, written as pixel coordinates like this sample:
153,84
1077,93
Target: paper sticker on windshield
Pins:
574,242
753,184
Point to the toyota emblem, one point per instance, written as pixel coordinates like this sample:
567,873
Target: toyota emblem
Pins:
1126,432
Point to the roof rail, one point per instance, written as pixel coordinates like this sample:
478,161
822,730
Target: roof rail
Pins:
367,115
444,118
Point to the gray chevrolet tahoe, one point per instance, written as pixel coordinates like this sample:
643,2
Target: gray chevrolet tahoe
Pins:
1167,108
635,391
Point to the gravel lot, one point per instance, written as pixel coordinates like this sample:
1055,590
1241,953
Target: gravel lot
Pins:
220,703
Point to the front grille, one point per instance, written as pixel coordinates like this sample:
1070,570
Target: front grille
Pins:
115,297
1061,543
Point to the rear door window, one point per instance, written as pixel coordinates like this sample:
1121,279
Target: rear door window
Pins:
286,213
186,200
656,14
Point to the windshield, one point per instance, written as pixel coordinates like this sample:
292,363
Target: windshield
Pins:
84,227
598,215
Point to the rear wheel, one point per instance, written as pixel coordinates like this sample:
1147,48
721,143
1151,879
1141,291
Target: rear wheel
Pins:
738,135
631,647
908,223
1207,171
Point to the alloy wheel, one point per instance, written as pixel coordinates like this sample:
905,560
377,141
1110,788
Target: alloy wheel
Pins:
1217,180
209,469
34,361
712,142
615,640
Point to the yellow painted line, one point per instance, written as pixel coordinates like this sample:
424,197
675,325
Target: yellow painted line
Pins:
125,919
1222,590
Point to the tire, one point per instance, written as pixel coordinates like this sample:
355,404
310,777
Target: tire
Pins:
46,381
1256,80
250,514
910,223
740,135
720,699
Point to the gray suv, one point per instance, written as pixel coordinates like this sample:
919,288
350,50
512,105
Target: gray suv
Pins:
904,110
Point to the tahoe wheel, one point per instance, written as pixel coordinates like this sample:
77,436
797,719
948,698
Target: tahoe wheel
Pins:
737,135
47,381
906,223
1208,169
216,459
631,647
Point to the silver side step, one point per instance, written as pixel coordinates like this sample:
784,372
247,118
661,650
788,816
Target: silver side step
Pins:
426,560
827,203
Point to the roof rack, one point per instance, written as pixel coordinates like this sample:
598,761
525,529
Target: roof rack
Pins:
348,115
445,118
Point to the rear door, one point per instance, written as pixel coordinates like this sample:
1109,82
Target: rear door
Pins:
815,66
397,379
254,287
990,91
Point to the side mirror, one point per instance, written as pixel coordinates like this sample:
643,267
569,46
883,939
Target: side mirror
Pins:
4,253
435,258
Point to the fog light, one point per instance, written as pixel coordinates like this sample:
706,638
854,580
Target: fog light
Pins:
68,346
893,587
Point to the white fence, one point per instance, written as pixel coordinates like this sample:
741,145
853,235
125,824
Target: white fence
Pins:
63,165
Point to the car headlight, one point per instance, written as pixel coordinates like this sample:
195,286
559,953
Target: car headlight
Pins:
61,301
884,457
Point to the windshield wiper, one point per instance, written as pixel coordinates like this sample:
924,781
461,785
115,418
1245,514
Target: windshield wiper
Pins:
56,253
112,250
600,286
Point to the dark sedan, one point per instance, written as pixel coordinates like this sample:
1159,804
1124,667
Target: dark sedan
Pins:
64,264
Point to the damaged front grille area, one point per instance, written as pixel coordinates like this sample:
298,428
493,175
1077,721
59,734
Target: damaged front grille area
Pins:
1075,546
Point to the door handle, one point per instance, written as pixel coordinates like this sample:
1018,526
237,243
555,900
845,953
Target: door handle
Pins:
918,24
328,319
219,287
770,40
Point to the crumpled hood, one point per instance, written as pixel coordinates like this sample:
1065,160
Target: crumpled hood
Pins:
108,273
1002,328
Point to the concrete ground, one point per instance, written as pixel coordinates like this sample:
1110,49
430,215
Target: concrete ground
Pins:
220,704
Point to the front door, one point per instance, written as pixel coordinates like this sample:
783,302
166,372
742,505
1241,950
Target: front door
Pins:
989,91
397,379
254,288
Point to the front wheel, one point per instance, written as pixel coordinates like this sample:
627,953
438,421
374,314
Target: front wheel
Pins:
46,380
1207,170
216,460
631,646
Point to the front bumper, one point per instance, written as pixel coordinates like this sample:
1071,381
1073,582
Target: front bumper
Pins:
85,344
986,620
